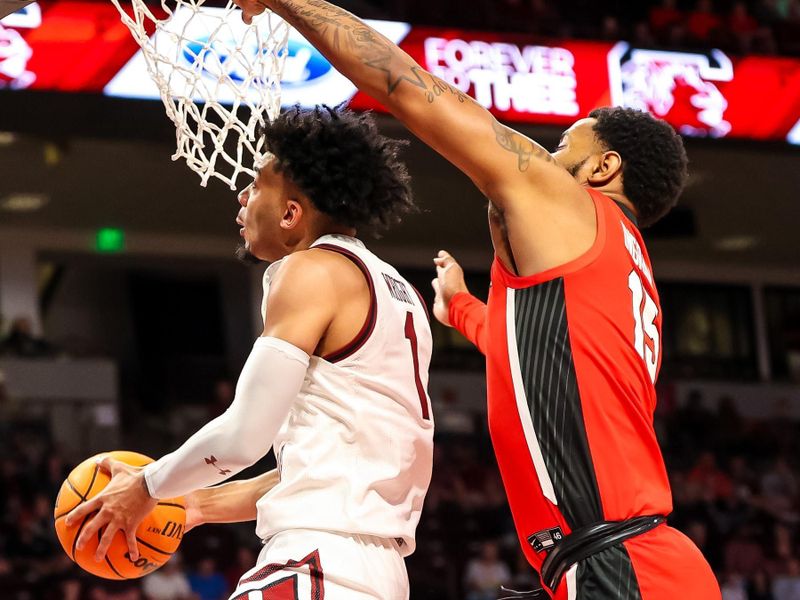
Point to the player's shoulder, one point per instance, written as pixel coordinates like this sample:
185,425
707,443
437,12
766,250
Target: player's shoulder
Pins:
318,271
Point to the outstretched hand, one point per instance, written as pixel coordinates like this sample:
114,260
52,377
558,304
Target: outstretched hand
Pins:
122,505
449,281
250,9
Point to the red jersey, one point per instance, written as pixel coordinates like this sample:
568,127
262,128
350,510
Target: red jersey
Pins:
572,357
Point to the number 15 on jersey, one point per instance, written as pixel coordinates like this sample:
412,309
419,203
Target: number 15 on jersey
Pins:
645,311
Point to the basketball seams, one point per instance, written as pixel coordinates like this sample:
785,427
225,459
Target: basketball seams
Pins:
91,483
78,533
152,547
74,489
84,497
69,510
72,496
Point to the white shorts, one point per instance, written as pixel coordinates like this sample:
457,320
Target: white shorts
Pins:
302,564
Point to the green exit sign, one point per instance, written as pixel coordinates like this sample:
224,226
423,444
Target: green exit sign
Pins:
110,239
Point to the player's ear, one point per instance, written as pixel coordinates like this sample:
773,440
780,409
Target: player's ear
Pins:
292,214
606,168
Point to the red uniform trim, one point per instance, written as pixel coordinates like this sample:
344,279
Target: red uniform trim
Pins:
315,572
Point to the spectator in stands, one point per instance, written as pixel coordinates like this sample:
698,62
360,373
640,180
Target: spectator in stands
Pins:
711,479
767,12
786,585
610,29
486,573
665,20
742,25
743,554
245,559
734,587
779,481
642,35
207,582
545,18
702,23
782,546
760,587
168,583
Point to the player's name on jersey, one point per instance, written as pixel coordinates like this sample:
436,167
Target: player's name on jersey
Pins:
635,250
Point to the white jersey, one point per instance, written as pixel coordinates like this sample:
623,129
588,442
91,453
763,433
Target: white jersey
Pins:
355,454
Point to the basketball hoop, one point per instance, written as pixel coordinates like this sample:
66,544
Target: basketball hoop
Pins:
202,59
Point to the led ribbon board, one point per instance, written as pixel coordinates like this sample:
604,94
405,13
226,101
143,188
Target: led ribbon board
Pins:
82,46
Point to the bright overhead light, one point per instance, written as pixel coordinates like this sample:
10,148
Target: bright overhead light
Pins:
7,138
24,202
736,243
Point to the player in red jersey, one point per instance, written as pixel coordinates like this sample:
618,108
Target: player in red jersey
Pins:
572,326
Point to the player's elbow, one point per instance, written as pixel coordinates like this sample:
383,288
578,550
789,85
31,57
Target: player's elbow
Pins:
246,444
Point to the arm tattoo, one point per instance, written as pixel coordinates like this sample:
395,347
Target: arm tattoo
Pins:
346,32
518,144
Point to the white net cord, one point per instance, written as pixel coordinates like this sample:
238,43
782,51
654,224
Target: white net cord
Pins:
218,78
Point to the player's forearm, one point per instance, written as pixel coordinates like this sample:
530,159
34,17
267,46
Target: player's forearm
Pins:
268,385
235,501
372,62
468,315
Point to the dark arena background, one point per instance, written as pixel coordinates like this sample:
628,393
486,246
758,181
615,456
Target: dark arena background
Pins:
126,318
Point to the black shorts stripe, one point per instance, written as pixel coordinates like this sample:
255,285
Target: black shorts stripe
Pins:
551,387
608,575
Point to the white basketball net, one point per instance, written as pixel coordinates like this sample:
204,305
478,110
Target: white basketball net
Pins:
201,57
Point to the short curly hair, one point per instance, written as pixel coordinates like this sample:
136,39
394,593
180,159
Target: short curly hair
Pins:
347,169
654,162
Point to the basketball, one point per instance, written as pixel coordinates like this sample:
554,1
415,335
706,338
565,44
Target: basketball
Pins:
158,535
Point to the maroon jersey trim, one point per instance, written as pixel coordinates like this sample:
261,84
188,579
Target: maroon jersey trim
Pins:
369,324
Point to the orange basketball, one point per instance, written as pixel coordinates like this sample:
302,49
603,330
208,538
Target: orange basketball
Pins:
158,535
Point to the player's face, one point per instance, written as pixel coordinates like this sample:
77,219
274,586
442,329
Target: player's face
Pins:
577,145
263,204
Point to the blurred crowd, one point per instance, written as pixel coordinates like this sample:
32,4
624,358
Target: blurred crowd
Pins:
736,486
736,26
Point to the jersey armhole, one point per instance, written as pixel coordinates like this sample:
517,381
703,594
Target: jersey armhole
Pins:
369,323
584,260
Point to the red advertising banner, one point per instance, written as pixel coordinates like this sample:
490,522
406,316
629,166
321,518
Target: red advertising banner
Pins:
82,46
516,80
700,94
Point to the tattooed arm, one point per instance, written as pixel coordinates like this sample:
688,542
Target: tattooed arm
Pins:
498,159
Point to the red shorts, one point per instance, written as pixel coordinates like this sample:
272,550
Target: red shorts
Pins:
662,564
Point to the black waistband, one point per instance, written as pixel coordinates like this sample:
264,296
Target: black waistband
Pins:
592,539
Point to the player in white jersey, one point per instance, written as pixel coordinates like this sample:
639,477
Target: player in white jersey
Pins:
336,383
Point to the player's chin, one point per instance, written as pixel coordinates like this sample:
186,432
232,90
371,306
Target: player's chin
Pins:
244,254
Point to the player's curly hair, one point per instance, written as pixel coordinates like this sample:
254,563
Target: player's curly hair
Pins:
654,162
343,164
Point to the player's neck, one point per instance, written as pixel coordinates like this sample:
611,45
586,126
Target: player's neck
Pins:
314,233
618,197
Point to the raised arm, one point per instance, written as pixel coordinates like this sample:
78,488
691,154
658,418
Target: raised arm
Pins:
502,163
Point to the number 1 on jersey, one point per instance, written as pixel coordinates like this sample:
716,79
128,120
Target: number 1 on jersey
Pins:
411,336
644,317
